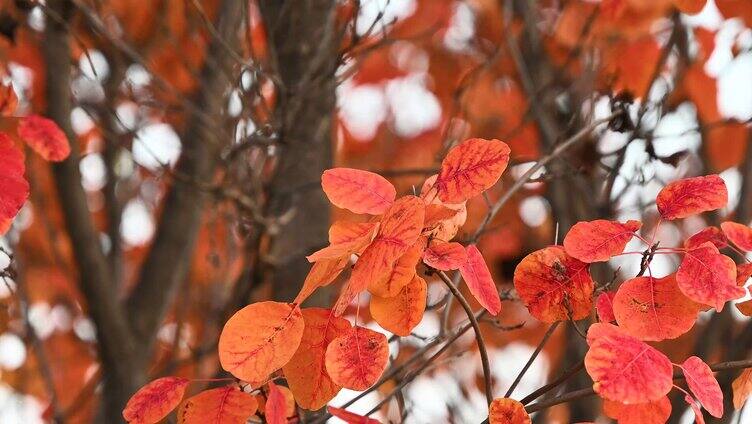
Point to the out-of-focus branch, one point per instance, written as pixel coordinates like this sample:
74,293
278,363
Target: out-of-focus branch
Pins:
116,344
169,258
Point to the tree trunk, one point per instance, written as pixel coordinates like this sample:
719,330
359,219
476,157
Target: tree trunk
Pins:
304,42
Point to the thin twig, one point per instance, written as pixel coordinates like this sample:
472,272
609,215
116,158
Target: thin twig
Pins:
530,361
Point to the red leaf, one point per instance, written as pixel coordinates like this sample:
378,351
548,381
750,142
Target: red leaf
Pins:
708,277
703,385
349,417
740,234
507,411
444,256
305,372
259,339
400,314
743,272
604,305
656,412
14,190
745,307
479,281
711,234
399,230
155,400
625,369
699,419
599,240
691,196
45,137
8,100
470,168
742,387
226,405
275,409
554,285
358,191
690,7
356,359
654,309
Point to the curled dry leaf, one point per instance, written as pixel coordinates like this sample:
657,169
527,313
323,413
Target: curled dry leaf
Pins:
275,409
358,191
599,240
399,230
604,305
708,277
443,220
554,285
259,339
14,190
745,307
444,256
507,411
470,168
226,405
711,234
742,387
155,400
740,235
625,369
479,281
356,359
400,314
691,196
654,309
350,417
655,412
703,385
345,238
400,275
44,137
306,372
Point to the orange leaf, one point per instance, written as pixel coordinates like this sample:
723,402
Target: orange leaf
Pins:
708,277
44,137
604,305
356,359
400,275
691,196
259,339
305,372
345,238
743,272
711,234
399,230
470,168
443,220
400,314
8,100
625,369
155,400
358,191
703,385
222,405
479,281
745,307
599,240
507,411
14,190
322,273
656,412
654,309
444,256
275,410
740,235
554,285
349,417
690,6
742,387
